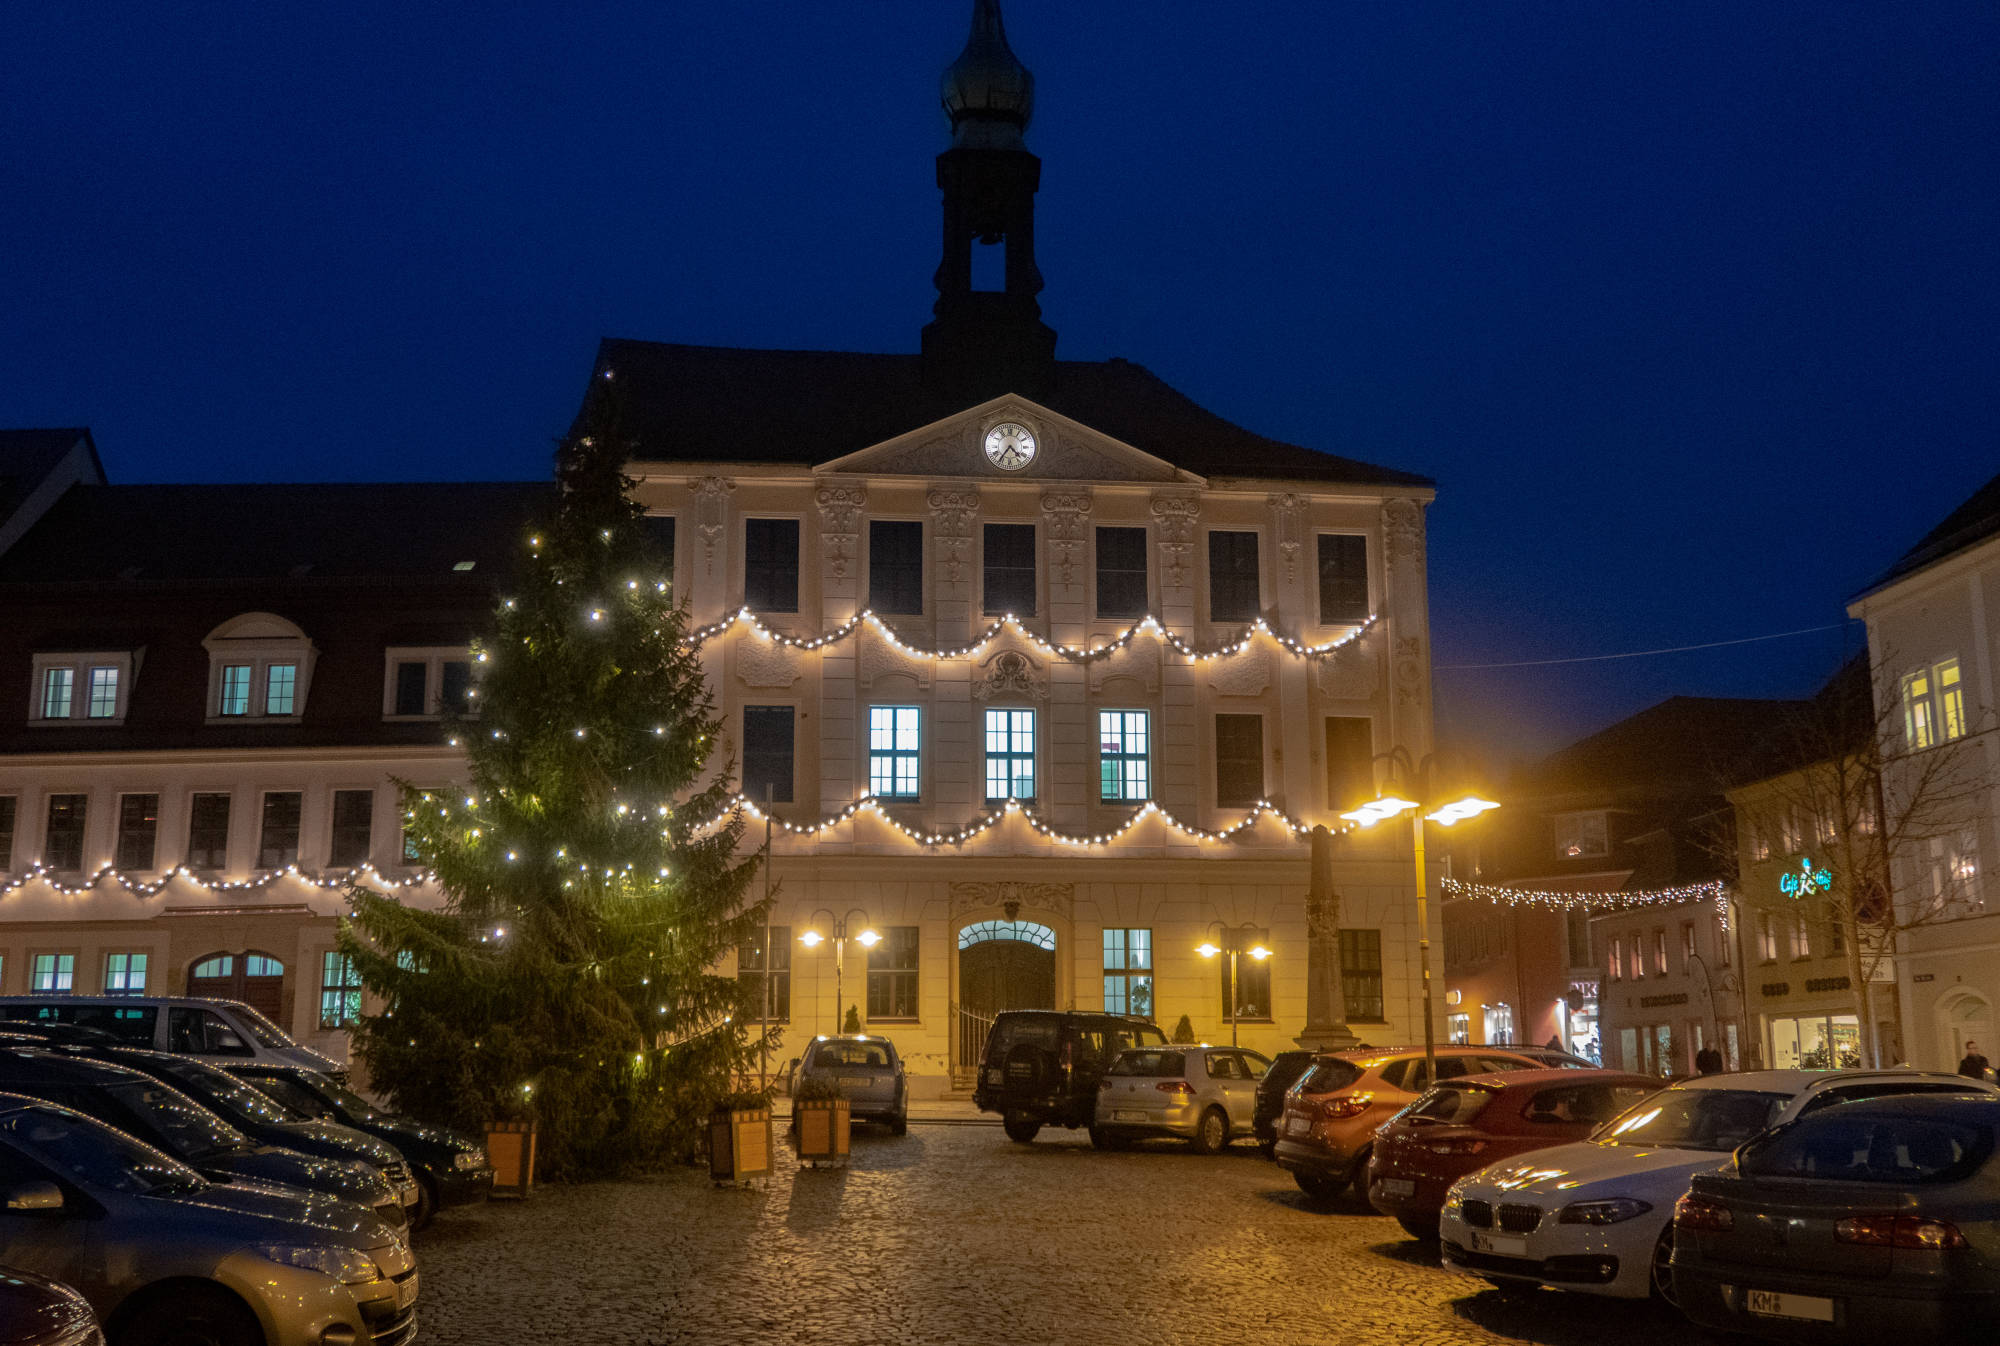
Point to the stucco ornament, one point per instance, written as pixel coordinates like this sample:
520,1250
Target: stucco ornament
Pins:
1353,672
1064,514
1010,674
1289,512
764,663
1059,898
1403,532
711,501
951,526
1248,674
1410,670
1173,521
839,524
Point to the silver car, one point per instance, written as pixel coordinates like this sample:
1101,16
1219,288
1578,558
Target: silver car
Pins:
868,1072
1206,1096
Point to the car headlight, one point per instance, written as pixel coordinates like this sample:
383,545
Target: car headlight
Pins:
1603,1212
1453,1200
466,1159
349,1266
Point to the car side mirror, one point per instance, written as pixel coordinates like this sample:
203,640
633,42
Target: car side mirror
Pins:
32,1197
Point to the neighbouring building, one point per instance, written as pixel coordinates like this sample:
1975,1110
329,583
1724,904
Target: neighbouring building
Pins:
1933,620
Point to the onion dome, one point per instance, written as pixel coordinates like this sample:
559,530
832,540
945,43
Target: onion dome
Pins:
988,94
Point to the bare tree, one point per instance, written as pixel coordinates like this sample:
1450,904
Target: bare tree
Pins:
1889,799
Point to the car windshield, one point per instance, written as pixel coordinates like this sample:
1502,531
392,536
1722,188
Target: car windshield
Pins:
1450,1107
290,1094
188,1127
1841,1146
1327,1076
874,1055
234,1099
94,1154
267,1033
1150,1064
1694,1119
349,1102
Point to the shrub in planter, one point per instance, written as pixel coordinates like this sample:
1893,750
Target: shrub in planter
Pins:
1184,1031
739,1138
822,1122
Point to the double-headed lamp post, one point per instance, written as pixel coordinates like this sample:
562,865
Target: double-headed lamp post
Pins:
1236,939
837,927
1444,814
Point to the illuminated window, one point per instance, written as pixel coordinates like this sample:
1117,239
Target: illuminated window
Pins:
281,685
750,976
1499,1023
88,688
1951,700
1933,705
103,700
1767,939
1660,952
1616,967
1010,755
1128,972
235,696
1687,945
53,974
1801,936
58,687
1123,757
125,974
1954,866
339,991
895,751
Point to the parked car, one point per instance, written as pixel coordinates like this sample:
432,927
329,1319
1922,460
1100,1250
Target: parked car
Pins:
163,1255
1286,1067
451,1170
1873,1221
35,1312
49,1033
1332,1112
1476,1120
1206,1096
1596,1216
1042,1067
221,1029
267,1121
1555,1058
868,1073
169,1120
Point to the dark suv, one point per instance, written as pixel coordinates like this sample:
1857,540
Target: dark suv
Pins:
1042,1067
1286,1067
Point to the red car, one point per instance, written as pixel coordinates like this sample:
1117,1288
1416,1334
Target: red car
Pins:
1465,1124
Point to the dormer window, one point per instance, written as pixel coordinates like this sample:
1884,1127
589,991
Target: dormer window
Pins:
1582,836
259,668
82,688
428,682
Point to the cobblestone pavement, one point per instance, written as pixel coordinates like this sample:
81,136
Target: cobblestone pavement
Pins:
955,1234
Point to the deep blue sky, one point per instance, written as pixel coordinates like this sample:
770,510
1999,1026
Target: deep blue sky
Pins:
1689,308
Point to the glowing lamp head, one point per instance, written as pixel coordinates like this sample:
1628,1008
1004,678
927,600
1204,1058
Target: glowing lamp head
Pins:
1459,810
811,939
1207,950
1378,810
869,939
1260,953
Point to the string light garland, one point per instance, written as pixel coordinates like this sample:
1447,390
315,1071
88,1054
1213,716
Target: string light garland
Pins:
1081,654
182,874
1587,901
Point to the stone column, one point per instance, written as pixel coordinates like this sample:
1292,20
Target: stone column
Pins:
1408,613
1326,1027
1180,731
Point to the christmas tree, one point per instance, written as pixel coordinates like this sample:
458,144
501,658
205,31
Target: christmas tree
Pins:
589,892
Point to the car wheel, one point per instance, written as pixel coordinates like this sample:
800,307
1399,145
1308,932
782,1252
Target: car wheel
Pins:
427,1201
1019,1126
1317,1185
1663,1269
899,1125
1357,1172
198,1315
1211,1133
1423,1231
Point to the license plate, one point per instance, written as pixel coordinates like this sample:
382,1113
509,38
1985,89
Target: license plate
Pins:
1805,1308
993,1077
1298,1126
1397,1187
1128,1116
1499,1245
406,1292
855,1081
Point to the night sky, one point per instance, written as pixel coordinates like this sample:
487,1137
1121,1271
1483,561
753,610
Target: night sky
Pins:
1689,308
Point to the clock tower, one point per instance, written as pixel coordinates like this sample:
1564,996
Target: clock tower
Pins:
986,342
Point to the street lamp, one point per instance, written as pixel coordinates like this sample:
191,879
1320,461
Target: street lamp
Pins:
1444,811
838,926
1236,939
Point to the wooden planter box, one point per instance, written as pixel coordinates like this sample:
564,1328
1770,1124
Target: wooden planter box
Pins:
820,1129
739,1144
510,1149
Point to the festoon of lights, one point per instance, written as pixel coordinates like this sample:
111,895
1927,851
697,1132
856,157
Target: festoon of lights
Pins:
182,874
1713,890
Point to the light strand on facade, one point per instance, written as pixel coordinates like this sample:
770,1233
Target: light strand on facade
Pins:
1056,649
182,874
1586,901
993,817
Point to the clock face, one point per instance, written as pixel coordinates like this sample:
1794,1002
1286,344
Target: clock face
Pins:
1010,446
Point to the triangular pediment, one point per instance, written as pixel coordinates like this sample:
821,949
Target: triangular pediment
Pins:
1064,450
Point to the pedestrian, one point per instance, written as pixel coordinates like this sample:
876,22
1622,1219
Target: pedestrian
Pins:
1974,1064
1555,1042
1708,1061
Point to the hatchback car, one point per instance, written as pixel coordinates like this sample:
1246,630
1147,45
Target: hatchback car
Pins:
1872,1221
450,1169
167,1119
163,1255
1042,1067
1332,1112
1596,1216
35,1312
868,1072
266,1120
1206,1096
1477,1120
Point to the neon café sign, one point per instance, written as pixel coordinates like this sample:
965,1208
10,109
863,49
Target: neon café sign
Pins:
1806,880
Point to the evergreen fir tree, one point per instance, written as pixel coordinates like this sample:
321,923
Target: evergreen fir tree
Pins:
568,975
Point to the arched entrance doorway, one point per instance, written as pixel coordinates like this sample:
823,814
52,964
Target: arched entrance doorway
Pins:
1002,965
256,979
1962,1017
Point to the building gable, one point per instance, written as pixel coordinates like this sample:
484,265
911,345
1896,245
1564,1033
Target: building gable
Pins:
1064,450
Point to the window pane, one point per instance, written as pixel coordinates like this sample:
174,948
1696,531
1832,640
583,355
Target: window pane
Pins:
58,686
1010,755
893,751
63,844
660,531
892,974
54,973
235,698
1350,761
125,974
1121,572
455,687
353,825
771,565
767,753
1253,988
278,845
1343,578
1239,760
1233,594
896,566
1361,974
339,990
103,702
208,832
8,806
281,685
411,676
750,975
1128,965
1123,756
1010,569
138,831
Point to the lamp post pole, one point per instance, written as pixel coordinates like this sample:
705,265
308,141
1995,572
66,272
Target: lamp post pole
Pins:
1232,997
838,925
1233,938
1424,942
764,1018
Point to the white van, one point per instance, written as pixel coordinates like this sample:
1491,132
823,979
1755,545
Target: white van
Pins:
217,1031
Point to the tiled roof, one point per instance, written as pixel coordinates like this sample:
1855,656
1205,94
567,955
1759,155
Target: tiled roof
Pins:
725,404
